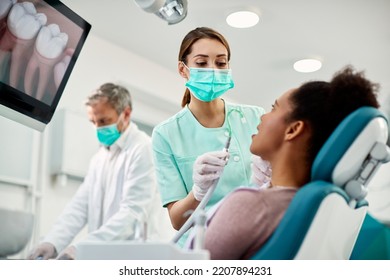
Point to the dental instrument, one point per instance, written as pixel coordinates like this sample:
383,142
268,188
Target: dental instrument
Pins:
191,220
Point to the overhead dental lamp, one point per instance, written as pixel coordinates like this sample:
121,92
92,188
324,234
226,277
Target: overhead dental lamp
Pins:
172,11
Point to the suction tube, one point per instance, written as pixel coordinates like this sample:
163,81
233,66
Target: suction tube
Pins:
191,220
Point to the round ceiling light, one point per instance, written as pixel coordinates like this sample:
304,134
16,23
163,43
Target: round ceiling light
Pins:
242,19
307,65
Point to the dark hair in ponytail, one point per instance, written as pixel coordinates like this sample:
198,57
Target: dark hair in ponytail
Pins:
323,105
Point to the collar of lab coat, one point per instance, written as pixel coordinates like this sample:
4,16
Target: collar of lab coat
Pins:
121,142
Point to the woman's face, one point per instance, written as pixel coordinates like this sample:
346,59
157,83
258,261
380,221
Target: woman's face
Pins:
206,53
272,128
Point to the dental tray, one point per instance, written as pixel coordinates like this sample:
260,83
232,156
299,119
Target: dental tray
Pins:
136,250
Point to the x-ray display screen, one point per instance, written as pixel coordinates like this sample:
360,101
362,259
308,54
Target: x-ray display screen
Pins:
39,44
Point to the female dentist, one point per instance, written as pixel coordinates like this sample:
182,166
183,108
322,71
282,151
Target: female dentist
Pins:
188,147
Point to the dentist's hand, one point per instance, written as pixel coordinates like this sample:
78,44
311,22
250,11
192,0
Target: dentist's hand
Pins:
207,169
261,171
43,251
68,254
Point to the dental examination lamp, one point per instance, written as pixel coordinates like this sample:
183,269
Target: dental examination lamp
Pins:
172,11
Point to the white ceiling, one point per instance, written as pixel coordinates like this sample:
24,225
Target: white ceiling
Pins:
339,32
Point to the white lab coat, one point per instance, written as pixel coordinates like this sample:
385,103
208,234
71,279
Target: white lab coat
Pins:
119,189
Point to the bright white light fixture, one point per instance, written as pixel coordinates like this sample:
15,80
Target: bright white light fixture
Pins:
242,19
307,65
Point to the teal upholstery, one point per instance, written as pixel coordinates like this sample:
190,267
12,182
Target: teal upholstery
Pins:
340,140
289,235
373,242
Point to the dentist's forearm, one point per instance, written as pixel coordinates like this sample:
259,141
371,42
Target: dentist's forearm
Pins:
177,210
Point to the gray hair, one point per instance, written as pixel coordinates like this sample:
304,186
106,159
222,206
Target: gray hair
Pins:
117,96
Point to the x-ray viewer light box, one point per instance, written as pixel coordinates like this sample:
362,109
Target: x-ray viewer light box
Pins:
40,42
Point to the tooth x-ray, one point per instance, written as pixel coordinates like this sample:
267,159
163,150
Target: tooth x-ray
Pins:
39,43
35,47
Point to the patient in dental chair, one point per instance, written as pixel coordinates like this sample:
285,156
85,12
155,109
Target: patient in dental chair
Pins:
289,137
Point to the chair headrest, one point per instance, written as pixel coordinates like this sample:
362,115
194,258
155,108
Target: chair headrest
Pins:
347,149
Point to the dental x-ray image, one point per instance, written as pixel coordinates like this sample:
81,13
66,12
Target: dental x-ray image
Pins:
36,46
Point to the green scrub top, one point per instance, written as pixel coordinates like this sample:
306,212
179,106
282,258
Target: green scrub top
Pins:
178,141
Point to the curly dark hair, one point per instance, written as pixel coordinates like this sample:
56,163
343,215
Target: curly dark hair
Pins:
323,105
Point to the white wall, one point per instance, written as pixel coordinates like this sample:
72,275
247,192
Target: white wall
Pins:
99,62
149,83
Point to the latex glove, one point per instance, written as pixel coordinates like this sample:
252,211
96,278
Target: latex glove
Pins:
207,169
67,254
43,251
261,171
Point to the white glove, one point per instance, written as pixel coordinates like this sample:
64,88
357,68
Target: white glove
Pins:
261,171
207,169
43,251
67,254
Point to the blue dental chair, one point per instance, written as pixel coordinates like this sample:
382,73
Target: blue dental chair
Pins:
325,216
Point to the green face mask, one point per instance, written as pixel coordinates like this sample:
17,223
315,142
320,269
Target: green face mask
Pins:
107,135
208,84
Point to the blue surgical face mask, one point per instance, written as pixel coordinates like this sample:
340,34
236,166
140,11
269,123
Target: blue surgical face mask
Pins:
107,135
207,84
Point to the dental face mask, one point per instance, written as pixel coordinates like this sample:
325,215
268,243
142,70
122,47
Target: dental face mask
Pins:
107,135
208,84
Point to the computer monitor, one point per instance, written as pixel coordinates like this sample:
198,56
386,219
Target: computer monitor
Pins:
40,42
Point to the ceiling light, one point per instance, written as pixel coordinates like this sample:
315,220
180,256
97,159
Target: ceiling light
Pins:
242,19
307,65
